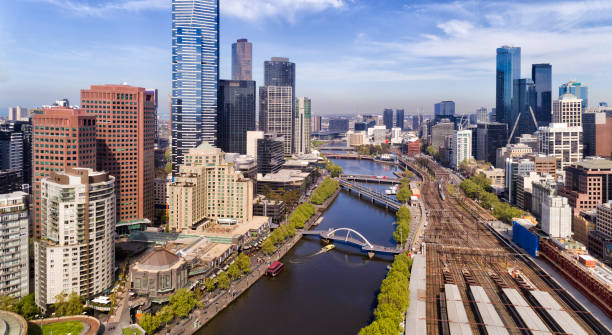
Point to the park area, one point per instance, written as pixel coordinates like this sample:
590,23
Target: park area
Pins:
57,328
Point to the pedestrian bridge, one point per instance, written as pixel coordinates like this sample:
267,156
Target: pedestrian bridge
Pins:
370,179
352,237
367,193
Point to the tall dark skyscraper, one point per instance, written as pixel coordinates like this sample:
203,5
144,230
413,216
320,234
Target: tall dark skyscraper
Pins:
444,108
399,118
195,75
508,70
270,157
277,100
523,103
388,118
541,74
489,137
242,60
236,114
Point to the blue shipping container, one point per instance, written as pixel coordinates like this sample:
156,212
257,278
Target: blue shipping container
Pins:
525,239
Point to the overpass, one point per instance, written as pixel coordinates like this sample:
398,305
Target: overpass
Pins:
354,238
370,179
374,196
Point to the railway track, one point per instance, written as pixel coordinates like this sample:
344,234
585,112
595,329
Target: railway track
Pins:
456,221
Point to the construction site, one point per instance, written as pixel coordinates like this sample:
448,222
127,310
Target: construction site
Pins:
479,283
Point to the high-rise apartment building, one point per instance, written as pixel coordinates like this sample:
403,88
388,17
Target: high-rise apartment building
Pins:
63,137
508,69
302,125
541,74
399,118
461,147
195,75
277,100
561,141
388,118
125,135
270,157
76,251
242,60
17,113
236,114
208,188
577,89
14,243
568,109
522,119
588,183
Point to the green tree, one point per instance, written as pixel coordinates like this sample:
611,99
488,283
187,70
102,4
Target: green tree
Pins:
244,263
234,271
182,302
381,327
268,247
167,154
404,193
165,314
60,304
74,304
149,323
168,167
432,151
210,284
9,303
27,307
223,281
333,169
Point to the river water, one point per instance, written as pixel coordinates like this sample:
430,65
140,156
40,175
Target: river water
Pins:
326,293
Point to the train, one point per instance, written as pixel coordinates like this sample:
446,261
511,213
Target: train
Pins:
440,189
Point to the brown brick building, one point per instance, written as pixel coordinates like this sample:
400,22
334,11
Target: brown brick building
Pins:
125,136
545,164
62,137
588,184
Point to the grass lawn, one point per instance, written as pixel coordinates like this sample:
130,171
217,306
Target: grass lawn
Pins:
63,328
131,331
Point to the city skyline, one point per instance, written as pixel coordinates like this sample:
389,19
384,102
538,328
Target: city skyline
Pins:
434,58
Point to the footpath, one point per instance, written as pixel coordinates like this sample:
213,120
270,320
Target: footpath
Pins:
199,317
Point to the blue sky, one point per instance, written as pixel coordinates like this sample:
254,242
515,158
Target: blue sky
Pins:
352,56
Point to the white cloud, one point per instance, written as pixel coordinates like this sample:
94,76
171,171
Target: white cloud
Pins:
249,10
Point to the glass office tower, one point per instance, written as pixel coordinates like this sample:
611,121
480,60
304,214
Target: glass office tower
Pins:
399,118
576,88
523,104
195,75
388,118
541,74
508,70
236,114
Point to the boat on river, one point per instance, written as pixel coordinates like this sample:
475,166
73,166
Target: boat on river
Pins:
328,248
391,190
275,268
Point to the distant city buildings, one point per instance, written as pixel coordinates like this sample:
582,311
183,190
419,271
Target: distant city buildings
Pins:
13,136
338,125
237,100
576,89
302,125
482,116
597,135
399,118
490,136
316,123
242,60
76,251
444,108
17,113
388,118
522,119
195,75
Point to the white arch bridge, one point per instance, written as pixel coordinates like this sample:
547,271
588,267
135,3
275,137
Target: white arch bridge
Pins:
352,237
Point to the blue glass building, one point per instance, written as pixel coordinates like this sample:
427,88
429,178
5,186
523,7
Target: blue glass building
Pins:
399,118
388,118
508,70
195,75
523,104
541,74
444,108
576,88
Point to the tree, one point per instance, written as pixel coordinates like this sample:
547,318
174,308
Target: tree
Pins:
168,167
234,271
165,314
431,150
404,193
210,284
333,169
149,323
9,303
74,304
60,304
27,307
167,154
381,327
182,302
268,247
223,281
244,263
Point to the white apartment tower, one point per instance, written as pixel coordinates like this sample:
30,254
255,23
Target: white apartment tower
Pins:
302,125
568,110
14,243
276,113
76,250
556,216
561,141
461,147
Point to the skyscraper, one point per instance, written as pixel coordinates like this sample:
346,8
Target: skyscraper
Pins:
508,70
195,75
388,118
576,88
242,60
541,74
236,114
125,135
482,116
63,137
277,100
302,125
270,156
522,119
461,147
444,108
14,240
399,118
568,109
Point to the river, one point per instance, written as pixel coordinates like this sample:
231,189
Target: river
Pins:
327,293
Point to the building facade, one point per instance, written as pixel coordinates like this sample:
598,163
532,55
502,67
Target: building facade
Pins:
522,118
508,69
556,217
597,135
76,252
444,108
541,74
270,157
399,118
236,114
302,125
490,136
252,137
388,118
17,113
588,184
15,263
576,89
195,75
561,141
338,125
11,134
125,136
568,109
208,188
242,60
159,273
53,130
461,147
276,105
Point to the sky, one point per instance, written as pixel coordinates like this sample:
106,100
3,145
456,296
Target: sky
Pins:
352,56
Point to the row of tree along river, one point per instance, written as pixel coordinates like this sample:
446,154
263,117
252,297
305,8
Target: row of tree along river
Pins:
332,292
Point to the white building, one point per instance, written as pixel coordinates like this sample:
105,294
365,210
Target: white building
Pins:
252,137
14,243
355,139
76,252
276,113
461,147
302,125
17,113
396,132
604,218
379,134
561,141
556,216
568,110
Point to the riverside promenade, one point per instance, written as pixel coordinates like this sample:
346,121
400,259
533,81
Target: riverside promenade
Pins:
213,306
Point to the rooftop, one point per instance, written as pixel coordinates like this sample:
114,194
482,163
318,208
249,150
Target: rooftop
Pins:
283,175
158,259
595,164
